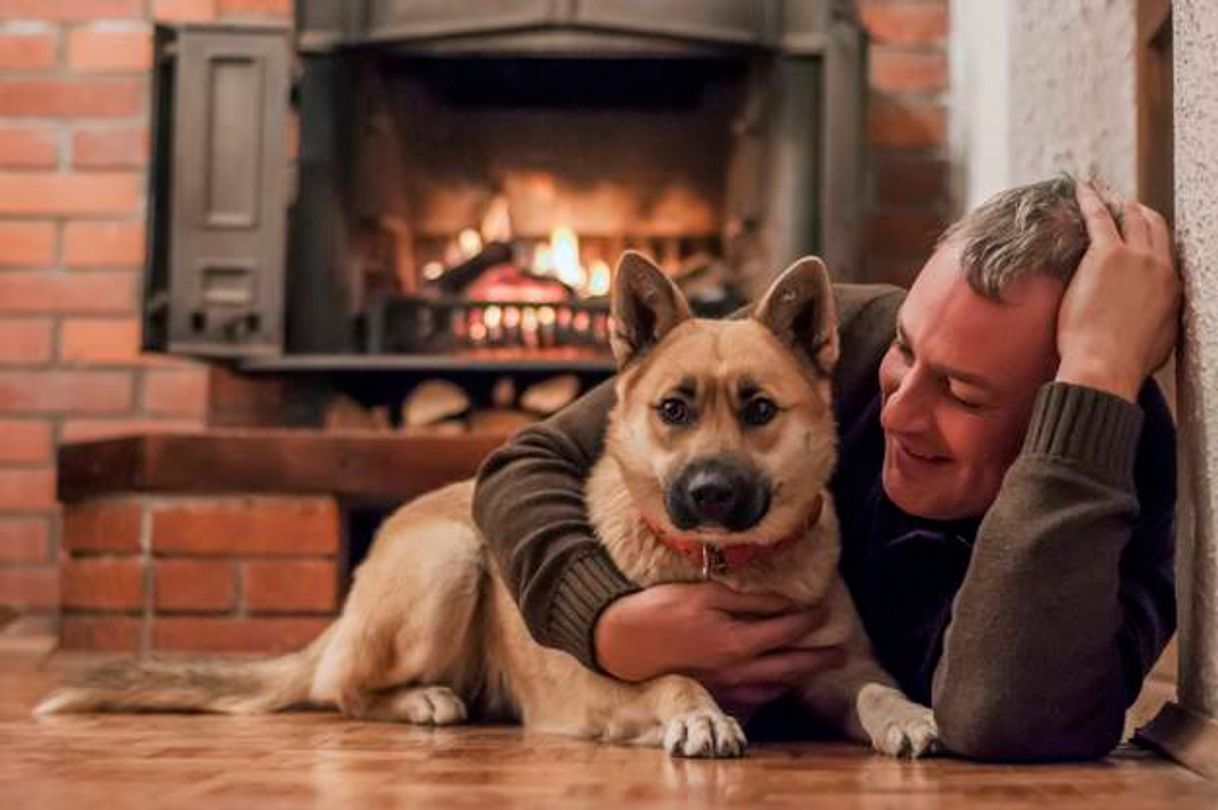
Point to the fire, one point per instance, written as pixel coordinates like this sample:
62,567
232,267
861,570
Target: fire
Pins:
560,258
564,253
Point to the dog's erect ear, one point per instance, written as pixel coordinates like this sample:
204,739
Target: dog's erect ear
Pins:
799,309
646,306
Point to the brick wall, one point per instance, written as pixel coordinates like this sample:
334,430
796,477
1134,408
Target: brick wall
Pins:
73,151
909,200
233,573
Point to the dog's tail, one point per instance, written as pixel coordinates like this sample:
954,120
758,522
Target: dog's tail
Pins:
230,686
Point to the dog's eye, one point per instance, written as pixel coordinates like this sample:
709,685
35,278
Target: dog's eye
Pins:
675,411
758,411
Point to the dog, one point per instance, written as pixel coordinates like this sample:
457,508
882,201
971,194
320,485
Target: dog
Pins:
716,461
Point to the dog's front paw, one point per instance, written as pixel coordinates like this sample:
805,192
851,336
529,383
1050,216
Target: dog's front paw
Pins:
896,725
704,733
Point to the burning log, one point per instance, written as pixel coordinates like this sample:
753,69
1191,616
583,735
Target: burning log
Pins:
457,278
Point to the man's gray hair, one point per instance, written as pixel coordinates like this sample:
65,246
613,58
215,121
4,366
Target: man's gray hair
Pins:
1030,230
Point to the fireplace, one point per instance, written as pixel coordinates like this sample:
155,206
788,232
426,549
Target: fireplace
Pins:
416,187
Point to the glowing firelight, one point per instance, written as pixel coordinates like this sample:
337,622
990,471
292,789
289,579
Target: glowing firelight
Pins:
599,277
564,253
469,242
492,317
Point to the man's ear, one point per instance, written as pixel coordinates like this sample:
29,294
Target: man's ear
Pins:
646,307
798,308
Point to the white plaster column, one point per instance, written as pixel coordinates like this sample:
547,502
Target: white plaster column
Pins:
1195,33
1039,87
1074,91
979,57
1187,730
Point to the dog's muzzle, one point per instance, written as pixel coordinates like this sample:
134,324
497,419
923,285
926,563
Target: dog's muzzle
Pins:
718,492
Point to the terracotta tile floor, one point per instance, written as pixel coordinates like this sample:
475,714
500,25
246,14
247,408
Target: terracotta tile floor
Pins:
318,760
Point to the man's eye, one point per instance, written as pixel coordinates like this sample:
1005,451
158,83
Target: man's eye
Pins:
758,411
964,402
675,411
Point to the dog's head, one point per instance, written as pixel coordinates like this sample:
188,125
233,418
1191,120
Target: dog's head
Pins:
724,429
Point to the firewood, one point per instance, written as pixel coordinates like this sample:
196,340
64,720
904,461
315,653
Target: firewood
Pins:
433,401
550,396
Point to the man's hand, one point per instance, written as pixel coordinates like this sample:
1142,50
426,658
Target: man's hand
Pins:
739,646
1119,317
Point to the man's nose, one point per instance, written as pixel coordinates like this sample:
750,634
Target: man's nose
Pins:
906,407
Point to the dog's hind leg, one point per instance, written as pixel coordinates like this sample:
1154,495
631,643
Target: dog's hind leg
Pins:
411,623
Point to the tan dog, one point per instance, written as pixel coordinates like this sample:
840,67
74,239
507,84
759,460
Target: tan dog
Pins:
716,462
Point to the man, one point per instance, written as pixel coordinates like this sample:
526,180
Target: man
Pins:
1010,561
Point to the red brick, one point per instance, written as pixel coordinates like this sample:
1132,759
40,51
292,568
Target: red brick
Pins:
69,10
247,525
73,98
102,583
109,51
184,10
909,23
27,51
100,342
115,148
280,9
66,391
100,633
27,490
290,586
102,525
30,587
896,71
86,294
907,125
87,430
27,147
25,342
911,181
25,441
177,393
908,233
208,634
103,244
195,585
25,540
92,193
27,243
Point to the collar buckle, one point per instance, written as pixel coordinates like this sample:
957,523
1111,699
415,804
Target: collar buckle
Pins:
714,561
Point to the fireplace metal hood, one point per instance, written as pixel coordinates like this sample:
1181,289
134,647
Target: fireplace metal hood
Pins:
583,27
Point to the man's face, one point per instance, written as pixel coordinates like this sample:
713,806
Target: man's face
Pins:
958,386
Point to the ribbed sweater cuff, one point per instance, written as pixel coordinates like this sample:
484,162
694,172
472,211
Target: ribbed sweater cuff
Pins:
590,583
1087,427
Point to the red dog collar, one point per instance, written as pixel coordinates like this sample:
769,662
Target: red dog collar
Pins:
714,559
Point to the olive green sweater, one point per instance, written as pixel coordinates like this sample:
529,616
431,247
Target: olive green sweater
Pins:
1029,631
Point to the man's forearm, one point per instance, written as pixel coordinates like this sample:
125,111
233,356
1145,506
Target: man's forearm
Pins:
1032,666
529,504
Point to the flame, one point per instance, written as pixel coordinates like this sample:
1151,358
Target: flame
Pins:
469,243
599,277
564,253
497,223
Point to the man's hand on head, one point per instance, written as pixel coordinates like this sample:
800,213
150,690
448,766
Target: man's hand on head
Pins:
744,648
1120,315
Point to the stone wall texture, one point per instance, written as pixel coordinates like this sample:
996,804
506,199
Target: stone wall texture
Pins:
1195,36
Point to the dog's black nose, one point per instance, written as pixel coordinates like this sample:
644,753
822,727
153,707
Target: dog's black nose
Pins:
718,492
